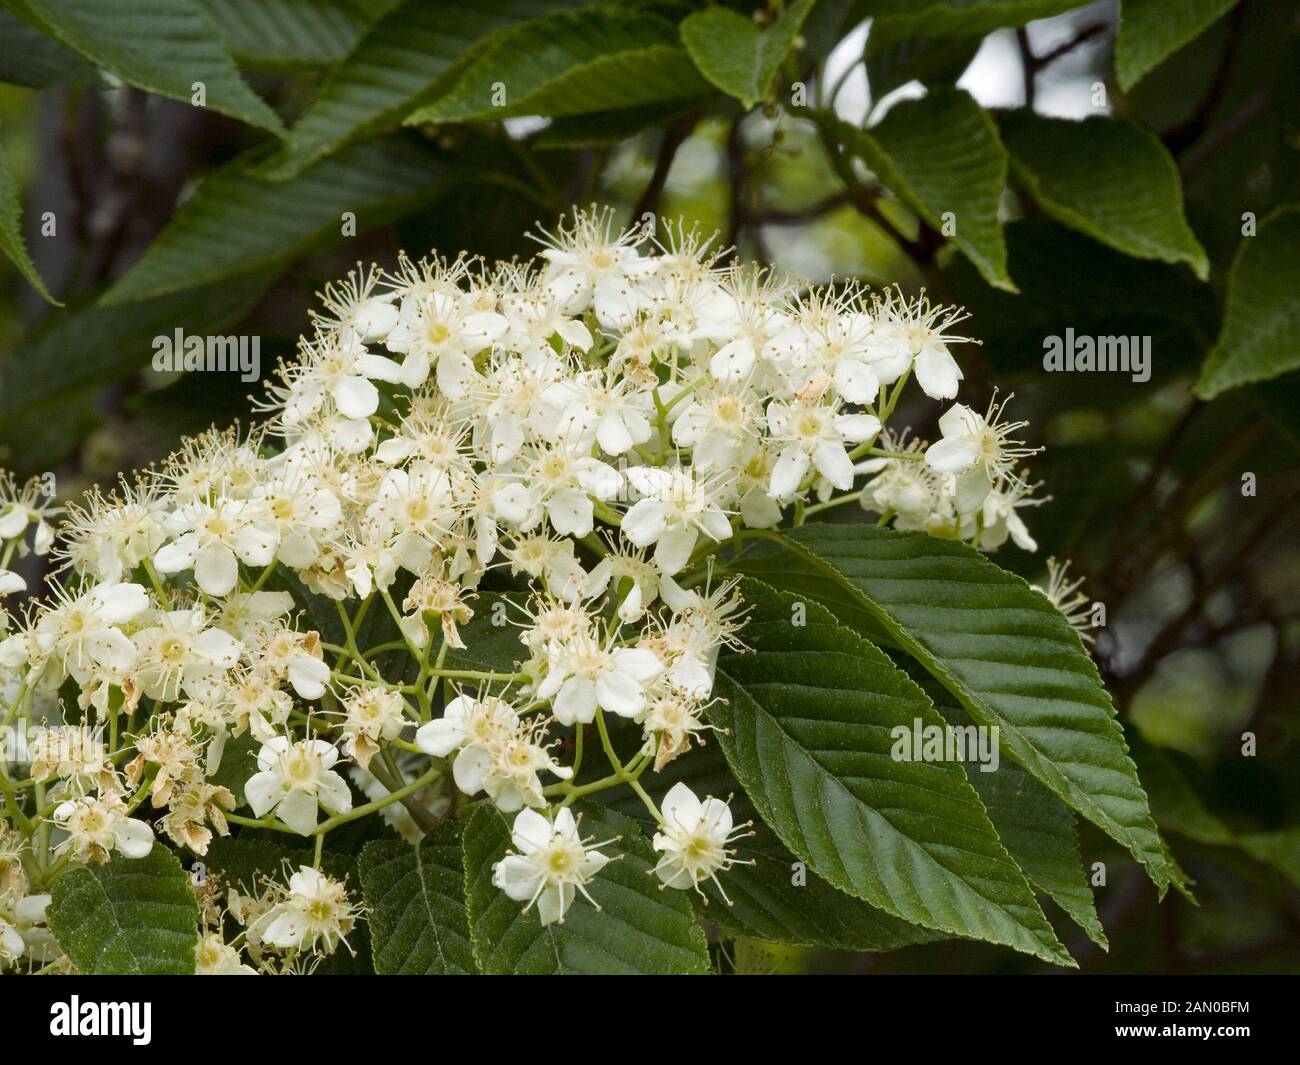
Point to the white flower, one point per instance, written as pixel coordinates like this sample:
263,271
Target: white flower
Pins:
96,826
107,539
466,720
908,488
587,263
694,839
923,328
75,754
30,505
936,371
719,425
1063,593
213,957
340,368
373,714
293,779
303,512
552,865
521,397
22,930
604,410
813,435
417,506
584,674
828,347
495,753
641,577
12,944
443,328
563,481
82,632
316,915
671,722
998,517
554,561
245,615
13,520
674,509
214,538
308,675
535,317
179,653
976,450
371,560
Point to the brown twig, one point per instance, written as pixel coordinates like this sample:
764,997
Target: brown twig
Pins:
1167,639
673,137
775,216
1066,47
737,185
1136,559
1028,68
1142,498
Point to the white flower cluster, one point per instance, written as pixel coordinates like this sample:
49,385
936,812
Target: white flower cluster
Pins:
555,451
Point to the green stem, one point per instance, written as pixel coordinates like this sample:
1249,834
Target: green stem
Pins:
817,508
263,577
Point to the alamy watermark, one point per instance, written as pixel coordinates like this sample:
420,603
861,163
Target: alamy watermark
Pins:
179,353
1106,354
947,743
24,744
77,1018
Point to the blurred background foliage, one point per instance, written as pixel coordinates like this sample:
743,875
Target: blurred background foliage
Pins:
827,139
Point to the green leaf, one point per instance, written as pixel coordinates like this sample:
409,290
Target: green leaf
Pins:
1175,805
161,46
127,917
929,60
1036,827
416,897
47,388
193,402
999,647
491,637
35,59
1038,831
638,929
236,224
606,128
942,156
776,898
897,19
569,63
396,66
1179,809
11,232
738,55
807,722
1260,338
828,24
1150,31
238,764
245,859
1279,849
1105,178
289,34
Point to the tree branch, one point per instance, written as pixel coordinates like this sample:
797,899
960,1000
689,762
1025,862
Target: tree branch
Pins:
673,137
